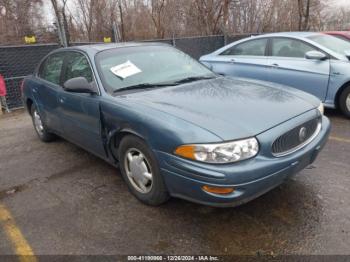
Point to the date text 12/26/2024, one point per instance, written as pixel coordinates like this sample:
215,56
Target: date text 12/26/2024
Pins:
173,258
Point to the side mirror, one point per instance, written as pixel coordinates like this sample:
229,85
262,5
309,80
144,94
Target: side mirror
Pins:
207,65
316,55
347,54
79,85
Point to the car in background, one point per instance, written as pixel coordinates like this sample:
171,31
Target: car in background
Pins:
173,126
316,63
345,35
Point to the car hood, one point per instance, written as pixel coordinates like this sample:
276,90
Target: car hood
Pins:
229,108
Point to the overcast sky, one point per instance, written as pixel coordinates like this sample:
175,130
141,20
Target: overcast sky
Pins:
341,2
48,10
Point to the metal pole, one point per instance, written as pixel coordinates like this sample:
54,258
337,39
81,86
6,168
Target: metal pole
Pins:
63,31
59,32
115,33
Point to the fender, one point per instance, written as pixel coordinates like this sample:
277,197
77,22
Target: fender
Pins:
112,136
338,80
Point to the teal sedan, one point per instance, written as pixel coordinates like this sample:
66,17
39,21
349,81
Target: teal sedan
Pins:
173,127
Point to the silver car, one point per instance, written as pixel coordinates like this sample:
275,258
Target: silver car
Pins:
313,62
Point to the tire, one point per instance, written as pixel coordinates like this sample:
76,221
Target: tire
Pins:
344,101
136,159
39,126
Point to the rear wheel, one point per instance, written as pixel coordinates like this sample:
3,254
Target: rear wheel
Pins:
344,102
39,126
141,172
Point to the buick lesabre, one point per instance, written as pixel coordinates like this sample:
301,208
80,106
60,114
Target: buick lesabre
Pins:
172,126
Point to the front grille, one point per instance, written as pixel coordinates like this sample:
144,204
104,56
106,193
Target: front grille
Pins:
296,138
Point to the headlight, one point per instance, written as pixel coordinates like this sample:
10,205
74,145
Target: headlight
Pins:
321,108
220,153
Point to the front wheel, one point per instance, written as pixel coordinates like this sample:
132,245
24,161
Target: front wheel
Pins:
344,102
39,126
141,172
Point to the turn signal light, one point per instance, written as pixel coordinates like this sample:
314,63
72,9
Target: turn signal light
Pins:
186,151
218,190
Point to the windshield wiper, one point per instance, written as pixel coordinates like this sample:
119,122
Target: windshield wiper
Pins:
141,86
149,85
192,79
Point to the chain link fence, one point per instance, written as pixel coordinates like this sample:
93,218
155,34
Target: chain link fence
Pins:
16,62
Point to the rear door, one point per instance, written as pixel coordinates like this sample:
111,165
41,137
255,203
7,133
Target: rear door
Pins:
80,112
247,59
47,88
289,66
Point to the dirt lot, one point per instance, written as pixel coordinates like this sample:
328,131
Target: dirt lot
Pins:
64,200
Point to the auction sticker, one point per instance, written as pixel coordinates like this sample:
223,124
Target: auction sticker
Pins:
125,70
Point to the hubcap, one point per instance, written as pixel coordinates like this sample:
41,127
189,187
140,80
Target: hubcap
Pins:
38,123
138,170
348,102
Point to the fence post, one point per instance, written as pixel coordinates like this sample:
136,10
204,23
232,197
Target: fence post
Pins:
115,32
173,40
58,31
61,31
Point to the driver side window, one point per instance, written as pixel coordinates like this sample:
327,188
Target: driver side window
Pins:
77,65
286,47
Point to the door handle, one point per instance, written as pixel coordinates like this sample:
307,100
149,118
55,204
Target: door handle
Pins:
275,65
232,60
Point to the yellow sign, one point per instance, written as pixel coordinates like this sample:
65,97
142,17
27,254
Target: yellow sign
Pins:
107,39
29,39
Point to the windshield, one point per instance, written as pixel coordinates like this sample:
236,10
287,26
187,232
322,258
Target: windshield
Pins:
125,67
333,43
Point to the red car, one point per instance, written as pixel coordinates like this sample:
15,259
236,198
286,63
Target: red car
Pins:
345,35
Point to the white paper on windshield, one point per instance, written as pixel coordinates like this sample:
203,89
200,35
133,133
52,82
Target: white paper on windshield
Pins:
125,70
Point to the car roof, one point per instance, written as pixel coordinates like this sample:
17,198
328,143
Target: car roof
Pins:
95,48
297,35
345,33
292,34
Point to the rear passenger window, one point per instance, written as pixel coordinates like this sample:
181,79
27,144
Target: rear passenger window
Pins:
250,48
51,68
77,65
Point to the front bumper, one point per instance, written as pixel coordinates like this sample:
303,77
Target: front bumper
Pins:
250,178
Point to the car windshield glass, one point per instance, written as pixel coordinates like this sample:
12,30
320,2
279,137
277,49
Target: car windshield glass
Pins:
144,66
333,43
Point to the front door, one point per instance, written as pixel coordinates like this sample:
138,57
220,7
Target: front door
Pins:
289,66
80,112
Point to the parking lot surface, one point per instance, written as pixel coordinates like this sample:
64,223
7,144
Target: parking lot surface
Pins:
63,200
